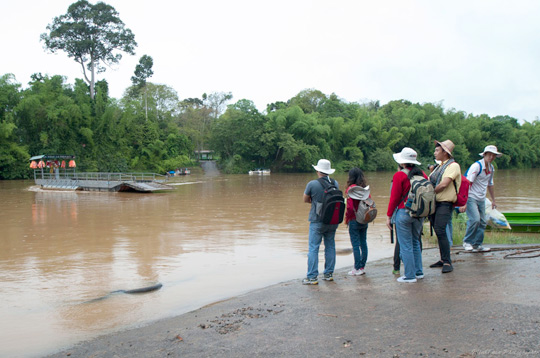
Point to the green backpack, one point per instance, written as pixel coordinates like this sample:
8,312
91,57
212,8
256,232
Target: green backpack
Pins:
421,199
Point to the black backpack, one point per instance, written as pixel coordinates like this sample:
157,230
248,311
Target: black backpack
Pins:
333,203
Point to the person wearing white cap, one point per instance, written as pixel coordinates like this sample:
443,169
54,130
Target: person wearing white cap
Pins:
480,174
317,229
408,229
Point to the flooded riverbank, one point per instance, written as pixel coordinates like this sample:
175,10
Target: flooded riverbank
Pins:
211,238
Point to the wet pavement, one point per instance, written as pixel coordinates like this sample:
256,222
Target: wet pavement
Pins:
489,306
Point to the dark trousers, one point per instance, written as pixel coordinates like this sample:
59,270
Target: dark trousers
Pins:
442,216
397,258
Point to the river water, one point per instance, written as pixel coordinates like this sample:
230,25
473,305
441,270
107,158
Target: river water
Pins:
213,237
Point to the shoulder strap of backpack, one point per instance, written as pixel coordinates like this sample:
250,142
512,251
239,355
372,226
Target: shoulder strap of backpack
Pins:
442,169
479,163
406,171
327,182
454,181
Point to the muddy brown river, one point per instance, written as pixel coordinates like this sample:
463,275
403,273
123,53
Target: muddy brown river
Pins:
212,237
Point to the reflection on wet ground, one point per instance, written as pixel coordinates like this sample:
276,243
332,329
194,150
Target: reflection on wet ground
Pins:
212,237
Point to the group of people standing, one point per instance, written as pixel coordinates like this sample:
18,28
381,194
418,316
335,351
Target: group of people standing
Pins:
446,179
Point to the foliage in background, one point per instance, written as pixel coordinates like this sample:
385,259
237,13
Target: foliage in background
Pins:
159,132
151,129
293,135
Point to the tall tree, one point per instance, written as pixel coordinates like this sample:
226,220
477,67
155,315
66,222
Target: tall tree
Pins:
195,119
217,102
92,35
143,71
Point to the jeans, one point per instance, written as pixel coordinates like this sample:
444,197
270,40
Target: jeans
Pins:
450,232
450,227
442,215
318,231
476,224
358,235
409,231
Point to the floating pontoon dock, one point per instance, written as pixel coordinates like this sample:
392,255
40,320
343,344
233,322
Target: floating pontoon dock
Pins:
56,176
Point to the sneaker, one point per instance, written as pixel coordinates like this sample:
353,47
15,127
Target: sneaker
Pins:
481,248
310,281
467,247
395,272
328,277
420,276
402,279
437,264
355,272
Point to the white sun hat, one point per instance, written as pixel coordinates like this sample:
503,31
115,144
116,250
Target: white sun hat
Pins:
324,166
359,193
407,155
491,149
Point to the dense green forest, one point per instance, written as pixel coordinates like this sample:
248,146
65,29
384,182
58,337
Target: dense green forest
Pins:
151,129
290,136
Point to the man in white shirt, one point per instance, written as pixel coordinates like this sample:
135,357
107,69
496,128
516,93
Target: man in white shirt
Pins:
480,174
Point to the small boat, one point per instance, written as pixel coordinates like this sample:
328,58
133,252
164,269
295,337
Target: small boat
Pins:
182,171
259,172
524,222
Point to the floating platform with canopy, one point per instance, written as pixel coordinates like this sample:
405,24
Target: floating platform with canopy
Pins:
52,172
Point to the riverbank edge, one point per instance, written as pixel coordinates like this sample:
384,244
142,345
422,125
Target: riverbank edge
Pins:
486,307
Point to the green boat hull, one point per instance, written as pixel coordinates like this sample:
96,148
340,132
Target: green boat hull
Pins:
524,222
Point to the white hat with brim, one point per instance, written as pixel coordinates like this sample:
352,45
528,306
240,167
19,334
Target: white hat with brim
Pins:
491,149
406,156
324,166
359,193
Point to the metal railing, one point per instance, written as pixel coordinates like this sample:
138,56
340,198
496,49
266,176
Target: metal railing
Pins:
73,175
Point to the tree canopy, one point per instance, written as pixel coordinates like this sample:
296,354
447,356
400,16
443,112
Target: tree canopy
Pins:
160,132
143,71
293,135
91,35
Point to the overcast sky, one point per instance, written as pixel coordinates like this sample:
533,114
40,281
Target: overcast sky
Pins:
474,56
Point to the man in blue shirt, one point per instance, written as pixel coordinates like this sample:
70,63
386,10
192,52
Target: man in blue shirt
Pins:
317,230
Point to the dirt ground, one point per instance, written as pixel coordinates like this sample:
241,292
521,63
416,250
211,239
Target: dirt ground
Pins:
489,306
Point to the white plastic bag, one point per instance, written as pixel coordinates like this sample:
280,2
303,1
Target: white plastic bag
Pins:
495,218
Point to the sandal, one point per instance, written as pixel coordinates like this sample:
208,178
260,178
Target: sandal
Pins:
447,268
